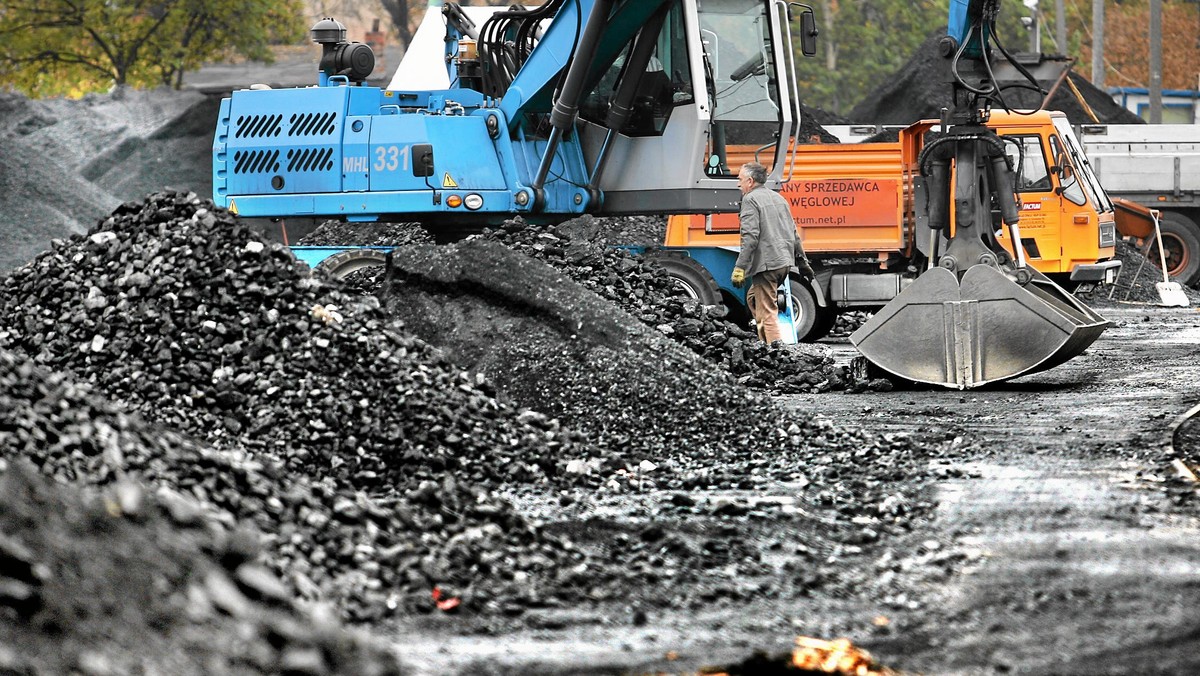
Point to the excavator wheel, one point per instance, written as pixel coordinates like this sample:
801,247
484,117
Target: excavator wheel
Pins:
341,264
695,280
1181,246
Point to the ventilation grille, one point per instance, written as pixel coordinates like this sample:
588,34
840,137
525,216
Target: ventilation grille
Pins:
312,124
255,161
310,159
299,124
258,126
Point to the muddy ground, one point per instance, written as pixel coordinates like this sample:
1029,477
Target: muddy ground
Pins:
1062,540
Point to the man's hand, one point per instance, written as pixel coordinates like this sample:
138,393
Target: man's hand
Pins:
805,268
738,278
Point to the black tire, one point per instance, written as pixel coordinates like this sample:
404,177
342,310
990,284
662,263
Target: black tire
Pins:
826,320
1181,243
341,264
695,279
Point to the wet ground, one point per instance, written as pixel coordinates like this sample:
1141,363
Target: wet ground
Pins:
1062,540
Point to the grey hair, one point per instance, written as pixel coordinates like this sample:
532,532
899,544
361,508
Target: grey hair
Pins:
756,172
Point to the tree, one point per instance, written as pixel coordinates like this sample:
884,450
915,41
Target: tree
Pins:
866,41
1126,46
65,47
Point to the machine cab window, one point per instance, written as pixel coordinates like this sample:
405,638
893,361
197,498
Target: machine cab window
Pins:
664,84
740,66
1068,180
1029,161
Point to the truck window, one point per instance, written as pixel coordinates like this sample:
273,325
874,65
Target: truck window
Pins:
666,83
1082,166
1029,160
1072,189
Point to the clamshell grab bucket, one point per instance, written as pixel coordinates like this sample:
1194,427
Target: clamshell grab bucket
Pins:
983,329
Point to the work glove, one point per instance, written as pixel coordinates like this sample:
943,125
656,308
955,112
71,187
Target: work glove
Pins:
738,278
806,270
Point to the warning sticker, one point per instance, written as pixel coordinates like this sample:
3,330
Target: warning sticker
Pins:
233,207
448,182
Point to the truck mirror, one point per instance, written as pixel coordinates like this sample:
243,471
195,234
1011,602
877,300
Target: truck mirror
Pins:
808,32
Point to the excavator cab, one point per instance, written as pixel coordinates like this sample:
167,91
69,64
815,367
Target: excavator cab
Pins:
977,315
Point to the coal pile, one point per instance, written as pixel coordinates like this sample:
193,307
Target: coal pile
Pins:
590,252
579,249
369,462
1136,282
921,88
177,153
176,310
110,582
812,121
549,344
70,162
181,310
341,233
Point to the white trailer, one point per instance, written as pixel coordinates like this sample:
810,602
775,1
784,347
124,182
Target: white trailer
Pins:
1157,166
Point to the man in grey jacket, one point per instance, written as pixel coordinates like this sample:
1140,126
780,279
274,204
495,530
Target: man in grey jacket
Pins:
770,248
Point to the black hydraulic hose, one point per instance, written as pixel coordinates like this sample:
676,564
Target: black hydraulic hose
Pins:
989,138
460,21
566,105
500,61
621,107
958,55
1016,64
939,194
1001,179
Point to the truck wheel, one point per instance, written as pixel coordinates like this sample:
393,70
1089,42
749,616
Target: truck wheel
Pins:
341,264
695,279
1181,243
826,319
811,321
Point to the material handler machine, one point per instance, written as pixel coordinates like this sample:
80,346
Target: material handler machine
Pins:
615,107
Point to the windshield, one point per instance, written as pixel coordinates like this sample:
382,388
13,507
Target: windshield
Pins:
1083,168
737,41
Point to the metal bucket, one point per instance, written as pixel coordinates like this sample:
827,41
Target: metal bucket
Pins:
983,329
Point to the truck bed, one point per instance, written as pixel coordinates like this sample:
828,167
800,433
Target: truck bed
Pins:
1137,158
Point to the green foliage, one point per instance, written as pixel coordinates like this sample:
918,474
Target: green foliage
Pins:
71,47
862,42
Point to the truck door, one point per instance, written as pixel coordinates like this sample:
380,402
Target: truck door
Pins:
1041,210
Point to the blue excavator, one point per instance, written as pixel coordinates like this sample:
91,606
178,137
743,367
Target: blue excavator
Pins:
542,104
618,107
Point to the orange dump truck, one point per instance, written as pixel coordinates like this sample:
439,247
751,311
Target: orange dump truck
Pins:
853,204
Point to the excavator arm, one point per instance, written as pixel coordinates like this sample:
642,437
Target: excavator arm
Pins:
977,315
